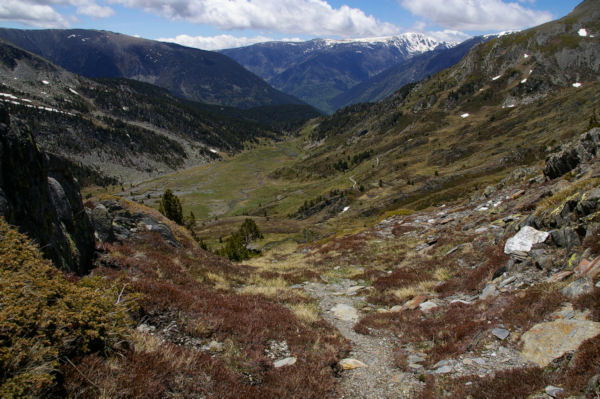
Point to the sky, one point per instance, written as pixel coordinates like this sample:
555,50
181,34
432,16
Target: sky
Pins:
217,24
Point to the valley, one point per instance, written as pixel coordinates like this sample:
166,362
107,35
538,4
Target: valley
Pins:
442,242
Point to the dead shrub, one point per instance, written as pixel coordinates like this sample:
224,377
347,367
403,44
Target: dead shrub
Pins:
584,365
505,384
531,306
475,279
591,302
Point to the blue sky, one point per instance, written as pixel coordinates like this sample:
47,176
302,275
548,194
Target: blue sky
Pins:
213,24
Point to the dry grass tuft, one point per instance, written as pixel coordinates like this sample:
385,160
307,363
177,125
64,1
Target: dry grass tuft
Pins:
306,312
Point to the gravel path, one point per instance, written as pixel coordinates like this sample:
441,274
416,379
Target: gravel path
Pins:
380,379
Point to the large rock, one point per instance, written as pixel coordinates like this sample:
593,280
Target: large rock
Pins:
571,155
40,196
524,240
547,341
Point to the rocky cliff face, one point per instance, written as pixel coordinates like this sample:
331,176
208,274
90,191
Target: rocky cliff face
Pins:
43,199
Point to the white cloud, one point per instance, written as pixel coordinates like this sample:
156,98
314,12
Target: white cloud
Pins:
32,14
215,42
313,17
40,13
94,10
477,15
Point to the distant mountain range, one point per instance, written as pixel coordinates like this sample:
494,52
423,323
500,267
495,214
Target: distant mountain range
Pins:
188,73
318,70
411,70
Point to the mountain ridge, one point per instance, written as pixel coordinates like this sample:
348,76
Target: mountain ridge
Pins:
188,73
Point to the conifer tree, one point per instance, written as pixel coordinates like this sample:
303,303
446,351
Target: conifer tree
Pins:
170,206
249,231
594,120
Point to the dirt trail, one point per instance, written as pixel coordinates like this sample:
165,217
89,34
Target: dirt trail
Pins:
380,379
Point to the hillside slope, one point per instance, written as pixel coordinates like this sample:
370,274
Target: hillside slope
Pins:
122,130
189,73
507,102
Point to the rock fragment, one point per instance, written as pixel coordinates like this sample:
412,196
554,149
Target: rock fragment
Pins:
524,240
581,286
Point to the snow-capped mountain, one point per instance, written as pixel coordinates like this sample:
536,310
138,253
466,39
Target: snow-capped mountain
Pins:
320,69
409,43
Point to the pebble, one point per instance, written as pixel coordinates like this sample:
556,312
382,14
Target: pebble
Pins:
443,370
507,281
415,359
480,361
489,291
501,333
427,306
288,361
553,391
351,364
461,301
415,302
353,290
215,346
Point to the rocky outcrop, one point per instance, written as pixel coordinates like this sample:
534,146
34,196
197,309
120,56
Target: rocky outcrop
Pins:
43,199
114,223
572,154
545,342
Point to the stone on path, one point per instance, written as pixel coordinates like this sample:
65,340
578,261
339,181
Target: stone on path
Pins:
345,312
545,342
351,364
522,242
